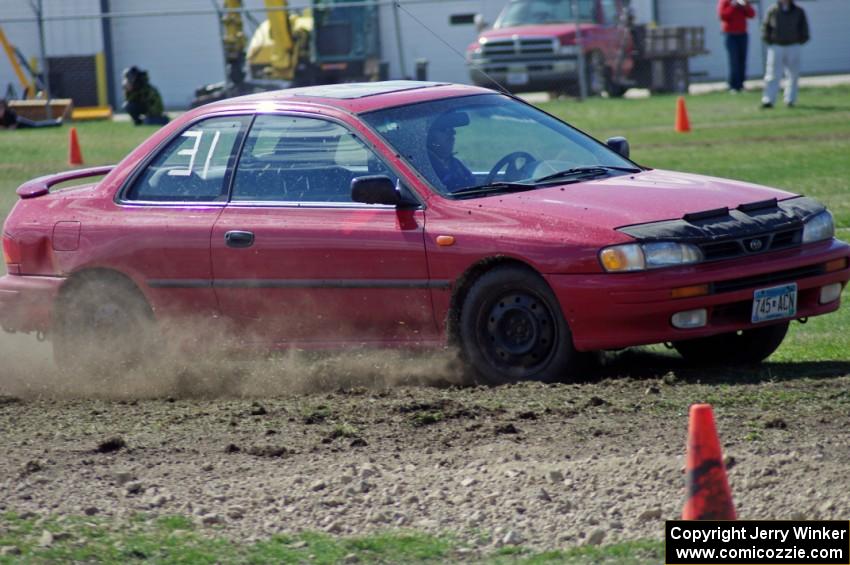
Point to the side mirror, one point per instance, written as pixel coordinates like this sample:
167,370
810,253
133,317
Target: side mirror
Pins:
619,144
480,23
375,189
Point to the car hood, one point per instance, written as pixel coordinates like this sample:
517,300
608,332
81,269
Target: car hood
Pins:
650,196
565,32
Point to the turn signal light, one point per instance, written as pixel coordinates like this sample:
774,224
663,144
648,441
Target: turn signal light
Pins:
836,265
689,291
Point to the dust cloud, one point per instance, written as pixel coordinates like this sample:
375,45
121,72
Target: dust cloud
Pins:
191,361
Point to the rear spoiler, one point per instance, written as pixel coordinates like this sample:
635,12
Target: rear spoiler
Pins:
41,185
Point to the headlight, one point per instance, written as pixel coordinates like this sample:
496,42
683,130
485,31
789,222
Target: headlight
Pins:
639,257
819,227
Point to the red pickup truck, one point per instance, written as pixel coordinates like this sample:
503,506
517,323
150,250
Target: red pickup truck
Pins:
536,45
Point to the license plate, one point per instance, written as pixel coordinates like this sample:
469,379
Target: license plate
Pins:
774,303
517,75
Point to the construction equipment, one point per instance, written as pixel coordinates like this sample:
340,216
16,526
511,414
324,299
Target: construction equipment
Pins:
33,104
19,63
326,43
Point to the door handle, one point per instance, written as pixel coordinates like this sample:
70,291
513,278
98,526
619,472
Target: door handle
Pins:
239,239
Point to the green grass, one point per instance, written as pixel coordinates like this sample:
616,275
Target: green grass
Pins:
803,150
175,539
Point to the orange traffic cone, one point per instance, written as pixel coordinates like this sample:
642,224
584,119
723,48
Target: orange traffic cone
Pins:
709,497
683,124
75,156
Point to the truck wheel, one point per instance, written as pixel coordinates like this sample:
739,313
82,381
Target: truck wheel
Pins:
615,90
677,76
734,348
512,329
103,323
596,73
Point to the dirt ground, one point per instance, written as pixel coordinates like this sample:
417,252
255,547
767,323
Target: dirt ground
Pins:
360,442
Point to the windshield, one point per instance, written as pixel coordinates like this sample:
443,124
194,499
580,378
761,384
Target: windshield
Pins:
480,140
525,12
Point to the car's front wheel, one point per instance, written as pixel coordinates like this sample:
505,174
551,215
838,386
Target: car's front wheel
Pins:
102,323
512,329
733,348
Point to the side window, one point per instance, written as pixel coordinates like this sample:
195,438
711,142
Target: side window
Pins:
295,159
609,12
194,166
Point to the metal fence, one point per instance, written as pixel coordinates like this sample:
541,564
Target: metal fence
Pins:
85,44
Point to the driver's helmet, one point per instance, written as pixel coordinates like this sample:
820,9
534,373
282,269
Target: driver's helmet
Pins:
446,121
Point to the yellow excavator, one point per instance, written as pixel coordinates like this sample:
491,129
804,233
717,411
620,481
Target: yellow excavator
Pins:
28,87
328,42
33,103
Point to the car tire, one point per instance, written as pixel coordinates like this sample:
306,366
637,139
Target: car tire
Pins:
512,329
734,348
102,323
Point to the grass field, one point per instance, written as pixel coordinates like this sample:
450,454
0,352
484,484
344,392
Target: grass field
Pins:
805,150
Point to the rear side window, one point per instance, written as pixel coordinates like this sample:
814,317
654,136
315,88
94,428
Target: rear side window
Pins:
194,166
296,159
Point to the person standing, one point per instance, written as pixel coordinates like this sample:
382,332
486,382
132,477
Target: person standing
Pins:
784,30
733,16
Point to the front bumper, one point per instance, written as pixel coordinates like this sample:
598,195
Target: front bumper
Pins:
525,75
26,302
612,311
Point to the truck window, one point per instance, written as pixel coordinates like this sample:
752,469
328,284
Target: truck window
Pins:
524,12
609,12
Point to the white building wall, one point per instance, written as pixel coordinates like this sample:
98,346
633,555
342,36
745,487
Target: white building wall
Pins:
426,33
180,53
829,49
827,52
61,37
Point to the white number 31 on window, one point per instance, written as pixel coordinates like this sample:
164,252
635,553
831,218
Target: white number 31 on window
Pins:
193,153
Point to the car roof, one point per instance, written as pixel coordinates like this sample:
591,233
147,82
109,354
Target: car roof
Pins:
356,97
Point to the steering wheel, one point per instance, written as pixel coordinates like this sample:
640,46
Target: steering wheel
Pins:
516,163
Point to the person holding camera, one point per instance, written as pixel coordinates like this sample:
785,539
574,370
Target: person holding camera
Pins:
784,30
733,17
141,99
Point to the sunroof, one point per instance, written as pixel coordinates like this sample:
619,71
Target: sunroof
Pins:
362,89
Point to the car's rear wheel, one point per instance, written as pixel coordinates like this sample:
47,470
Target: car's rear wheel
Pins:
734,348
102,323
512,329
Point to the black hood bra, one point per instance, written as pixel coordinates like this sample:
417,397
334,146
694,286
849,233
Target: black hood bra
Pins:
724,233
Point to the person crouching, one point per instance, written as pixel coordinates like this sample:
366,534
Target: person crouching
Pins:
142,99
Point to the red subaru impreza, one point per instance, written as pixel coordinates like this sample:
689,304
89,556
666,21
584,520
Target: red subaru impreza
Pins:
410,214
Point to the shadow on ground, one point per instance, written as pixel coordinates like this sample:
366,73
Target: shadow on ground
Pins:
649,363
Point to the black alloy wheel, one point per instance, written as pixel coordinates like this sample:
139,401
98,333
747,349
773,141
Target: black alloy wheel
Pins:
512,329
